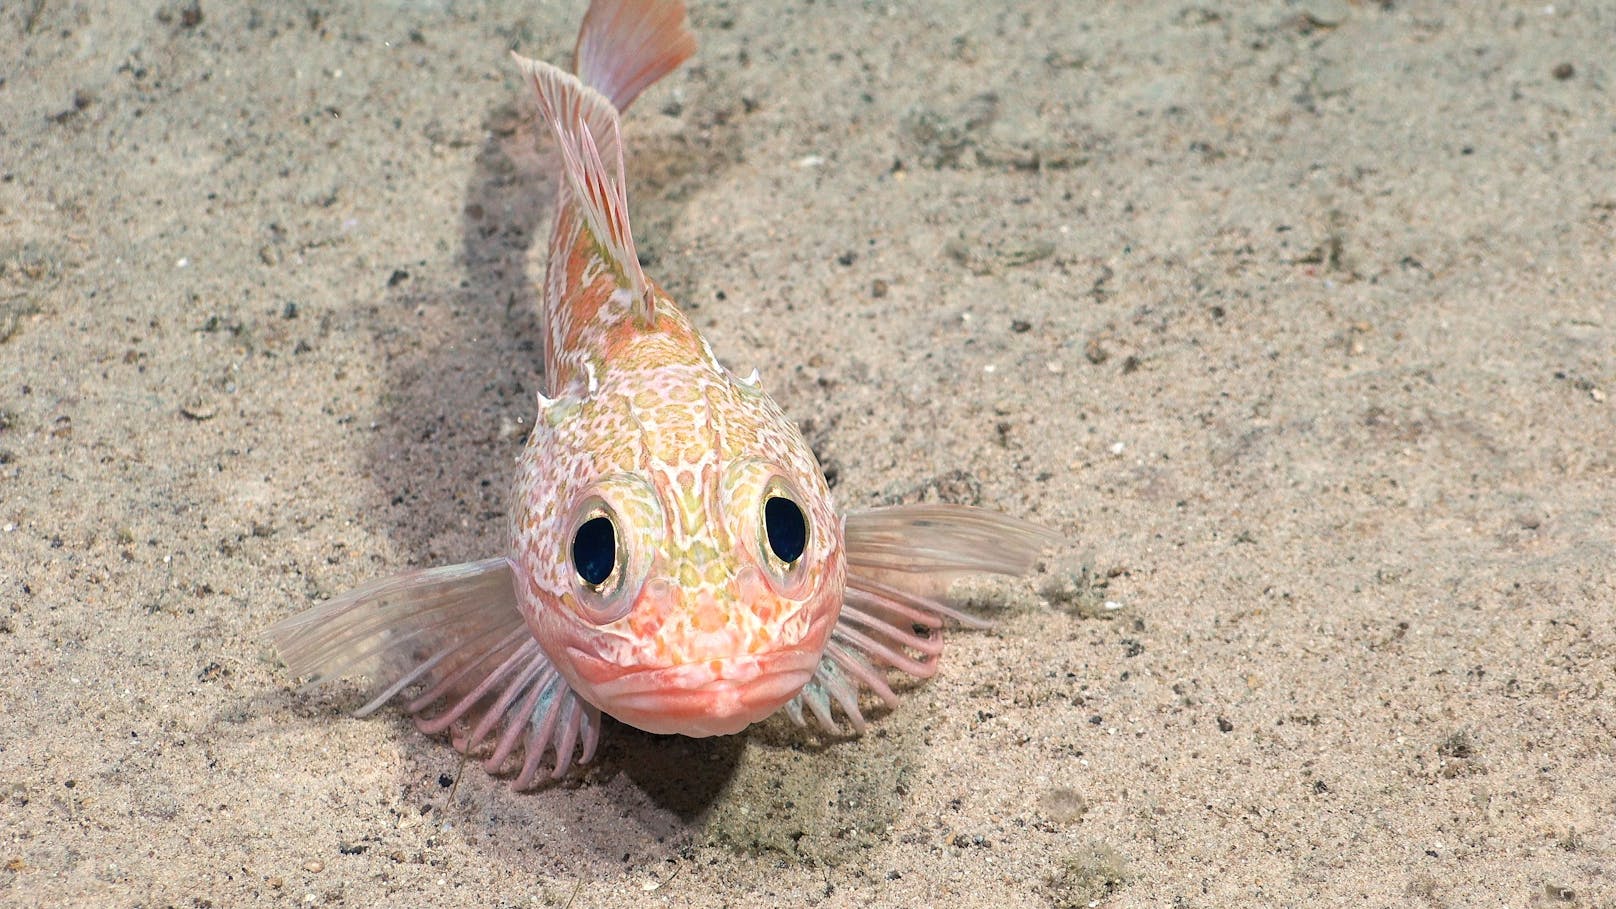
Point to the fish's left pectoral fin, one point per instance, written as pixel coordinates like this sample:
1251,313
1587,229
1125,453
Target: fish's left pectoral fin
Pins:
900,563
927,547
451,642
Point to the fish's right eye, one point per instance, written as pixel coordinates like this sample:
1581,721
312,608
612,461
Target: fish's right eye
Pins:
604,548
594,551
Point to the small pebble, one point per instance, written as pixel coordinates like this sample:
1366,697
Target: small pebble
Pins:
198,410
1331,79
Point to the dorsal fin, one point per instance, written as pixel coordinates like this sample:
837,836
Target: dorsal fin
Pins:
626,45
623,47
586,130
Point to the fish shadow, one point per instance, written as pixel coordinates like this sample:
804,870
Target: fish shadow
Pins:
463,364
679,775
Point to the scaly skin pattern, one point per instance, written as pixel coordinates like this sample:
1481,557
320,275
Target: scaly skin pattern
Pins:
703,631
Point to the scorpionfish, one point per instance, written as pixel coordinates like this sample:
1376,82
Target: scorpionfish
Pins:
676,558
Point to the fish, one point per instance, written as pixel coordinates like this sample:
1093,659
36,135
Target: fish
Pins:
676,559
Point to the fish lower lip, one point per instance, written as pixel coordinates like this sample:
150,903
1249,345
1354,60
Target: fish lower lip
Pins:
728,673
715,697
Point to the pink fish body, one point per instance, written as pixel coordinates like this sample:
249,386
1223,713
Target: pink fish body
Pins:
677,561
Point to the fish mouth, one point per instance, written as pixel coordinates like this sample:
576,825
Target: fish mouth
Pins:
710,697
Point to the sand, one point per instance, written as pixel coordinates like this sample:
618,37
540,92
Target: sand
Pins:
1297,319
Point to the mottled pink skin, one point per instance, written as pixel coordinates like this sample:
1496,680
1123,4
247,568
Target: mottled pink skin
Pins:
707,632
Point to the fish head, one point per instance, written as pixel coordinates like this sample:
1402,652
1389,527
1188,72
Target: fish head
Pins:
684,567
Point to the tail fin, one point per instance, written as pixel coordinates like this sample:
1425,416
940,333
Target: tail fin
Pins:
626,45
456,638
623,47
900,562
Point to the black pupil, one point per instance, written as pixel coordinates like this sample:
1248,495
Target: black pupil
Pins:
594,550
787,528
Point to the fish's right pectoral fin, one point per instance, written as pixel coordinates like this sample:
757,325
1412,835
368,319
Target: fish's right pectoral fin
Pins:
454,639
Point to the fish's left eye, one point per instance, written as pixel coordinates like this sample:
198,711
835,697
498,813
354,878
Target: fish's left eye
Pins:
785,528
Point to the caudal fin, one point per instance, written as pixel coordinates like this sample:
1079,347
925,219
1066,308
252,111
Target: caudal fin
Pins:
900,563
623,46
626,45
455,640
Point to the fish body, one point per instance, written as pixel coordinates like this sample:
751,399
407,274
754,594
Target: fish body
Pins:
699,626
677,560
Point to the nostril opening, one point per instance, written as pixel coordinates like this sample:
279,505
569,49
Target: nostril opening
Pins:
659,589
658,599
750,585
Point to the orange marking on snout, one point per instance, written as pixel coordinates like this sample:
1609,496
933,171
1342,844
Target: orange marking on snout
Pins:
648,617
708,618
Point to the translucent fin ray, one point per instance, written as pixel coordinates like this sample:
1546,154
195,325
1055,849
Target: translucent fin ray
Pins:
456,634
626,45
942,542
587,132
900,563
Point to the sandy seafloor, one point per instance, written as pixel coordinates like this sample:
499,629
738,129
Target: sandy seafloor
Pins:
1298,320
